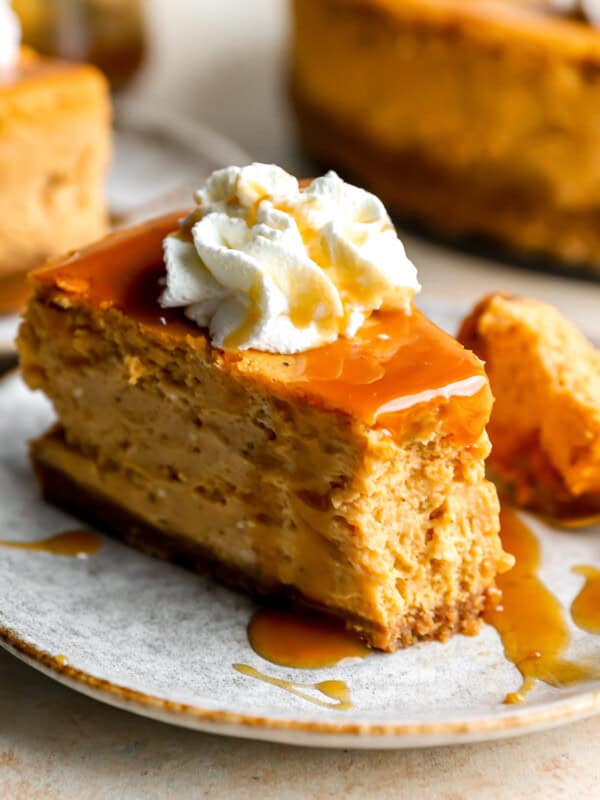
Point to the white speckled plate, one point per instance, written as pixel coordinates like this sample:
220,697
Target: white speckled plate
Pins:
158,161
156,640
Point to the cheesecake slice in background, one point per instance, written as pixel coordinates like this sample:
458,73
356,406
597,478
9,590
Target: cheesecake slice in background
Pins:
348,476
54,152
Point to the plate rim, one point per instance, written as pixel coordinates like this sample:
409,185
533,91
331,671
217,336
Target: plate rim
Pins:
304,732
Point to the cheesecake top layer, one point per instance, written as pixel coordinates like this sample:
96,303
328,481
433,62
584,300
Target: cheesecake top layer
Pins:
395,361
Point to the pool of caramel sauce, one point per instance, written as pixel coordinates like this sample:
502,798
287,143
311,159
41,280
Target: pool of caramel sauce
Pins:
302,641
529,618
73,544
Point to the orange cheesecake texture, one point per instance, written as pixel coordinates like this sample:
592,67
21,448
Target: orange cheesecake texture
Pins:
286,472
54,152
545,425
475,117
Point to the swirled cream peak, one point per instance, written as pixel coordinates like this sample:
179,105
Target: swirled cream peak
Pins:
266,264
589,8
10,35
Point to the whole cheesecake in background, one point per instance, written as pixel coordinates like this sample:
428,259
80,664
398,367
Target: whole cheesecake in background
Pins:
54,151
475,117
265,401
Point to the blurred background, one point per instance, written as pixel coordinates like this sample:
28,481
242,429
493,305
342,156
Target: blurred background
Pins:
218,62
215,74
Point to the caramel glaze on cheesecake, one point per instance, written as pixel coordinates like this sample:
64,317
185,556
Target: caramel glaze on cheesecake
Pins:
350,477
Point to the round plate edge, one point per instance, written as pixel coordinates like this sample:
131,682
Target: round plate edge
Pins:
312,734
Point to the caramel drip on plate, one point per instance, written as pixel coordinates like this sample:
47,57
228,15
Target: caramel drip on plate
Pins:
529,618
394,362
74,544
291,639
585,609
335,690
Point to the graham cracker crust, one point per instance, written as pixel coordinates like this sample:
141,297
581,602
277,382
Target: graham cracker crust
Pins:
63,490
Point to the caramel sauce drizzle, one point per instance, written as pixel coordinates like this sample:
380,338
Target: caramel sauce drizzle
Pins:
585,609
393,363
253,315
302,641
529,618
335,690
73,544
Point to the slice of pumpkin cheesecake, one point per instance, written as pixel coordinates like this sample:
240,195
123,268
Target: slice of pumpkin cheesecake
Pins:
251,390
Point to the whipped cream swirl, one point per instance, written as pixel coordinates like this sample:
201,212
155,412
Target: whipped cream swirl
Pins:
266,264
589,8
10,35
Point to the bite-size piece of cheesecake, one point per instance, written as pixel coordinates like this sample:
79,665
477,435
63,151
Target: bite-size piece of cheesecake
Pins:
265,401
55,123
545,424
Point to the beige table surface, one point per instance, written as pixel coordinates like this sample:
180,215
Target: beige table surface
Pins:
220,61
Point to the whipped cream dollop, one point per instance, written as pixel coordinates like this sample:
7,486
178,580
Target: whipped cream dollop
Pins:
10,35
266,264
589,8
